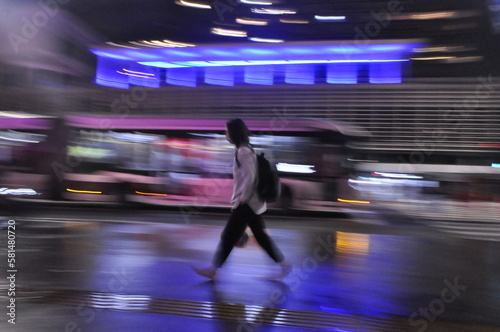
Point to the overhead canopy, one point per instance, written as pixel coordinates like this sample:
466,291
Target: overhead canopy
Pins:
120,67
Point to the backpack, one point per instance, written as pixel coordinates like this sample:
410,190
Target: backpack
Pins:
268,181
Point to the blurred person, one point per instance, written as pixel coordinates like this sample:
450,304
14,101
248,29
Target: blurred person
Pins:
247,206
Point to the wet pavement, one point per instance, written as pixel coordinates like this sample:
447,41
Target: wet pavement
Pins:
130,270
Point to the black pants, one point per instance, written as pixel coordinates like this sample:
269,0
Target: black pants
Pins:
240,218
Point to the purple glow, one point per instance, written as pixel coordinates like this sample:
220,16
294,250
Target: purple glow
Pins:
154,123
25,123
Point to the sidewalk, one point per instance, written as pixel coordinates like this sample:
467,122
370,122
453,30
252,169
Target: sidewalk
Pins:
137,277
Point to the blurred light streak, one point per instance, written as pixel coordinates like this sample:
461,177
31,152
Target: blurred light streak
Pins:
460,48
257,2
90,152
369,52
266,40
138,72
367,181
193,4
18,140
164,64
363,160
489,144
165,43
252,21
135,75
150,194
83,191
352,201
284,20
273,11
461,59
150,81
21,115
227,32
295,168
18,191
495,165
120,45
398,175
434,58
329,18
177,44
352,243
111,55
183,64
433,16
143,43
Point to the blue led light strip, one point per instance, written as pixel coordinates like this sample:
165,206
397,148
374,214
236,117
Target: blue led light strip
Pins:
165,64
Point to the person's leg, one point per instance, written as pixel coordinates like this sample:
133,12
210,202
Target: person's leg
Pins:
234,229
256,224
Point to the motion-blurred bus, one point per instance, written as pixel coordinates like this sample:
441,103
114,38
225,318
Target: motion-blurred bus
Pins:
28,150
188,162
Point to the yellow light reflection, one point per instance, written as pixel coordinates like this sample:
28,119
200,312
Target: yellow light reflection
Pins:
352,243
83,191
352,201
120,45
150,194
435,58
433,16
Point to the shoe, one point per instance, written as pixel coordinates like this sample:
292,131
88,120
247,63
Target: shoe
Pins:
286,269
207,272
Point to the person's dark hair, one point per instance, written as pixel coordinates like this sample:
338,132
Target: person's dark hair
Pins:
238,132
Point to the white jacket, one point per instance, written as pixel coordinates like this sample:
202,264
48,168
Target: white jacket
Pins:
245,177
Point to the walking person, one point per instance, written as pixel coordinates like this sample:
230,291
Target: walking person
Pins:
247,206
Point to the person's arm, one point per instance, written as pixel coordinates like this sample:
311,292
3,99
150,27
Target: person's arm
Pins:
248,172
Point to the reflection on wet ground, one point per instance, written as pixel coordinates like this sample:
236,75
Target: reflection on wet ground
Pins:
95,276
